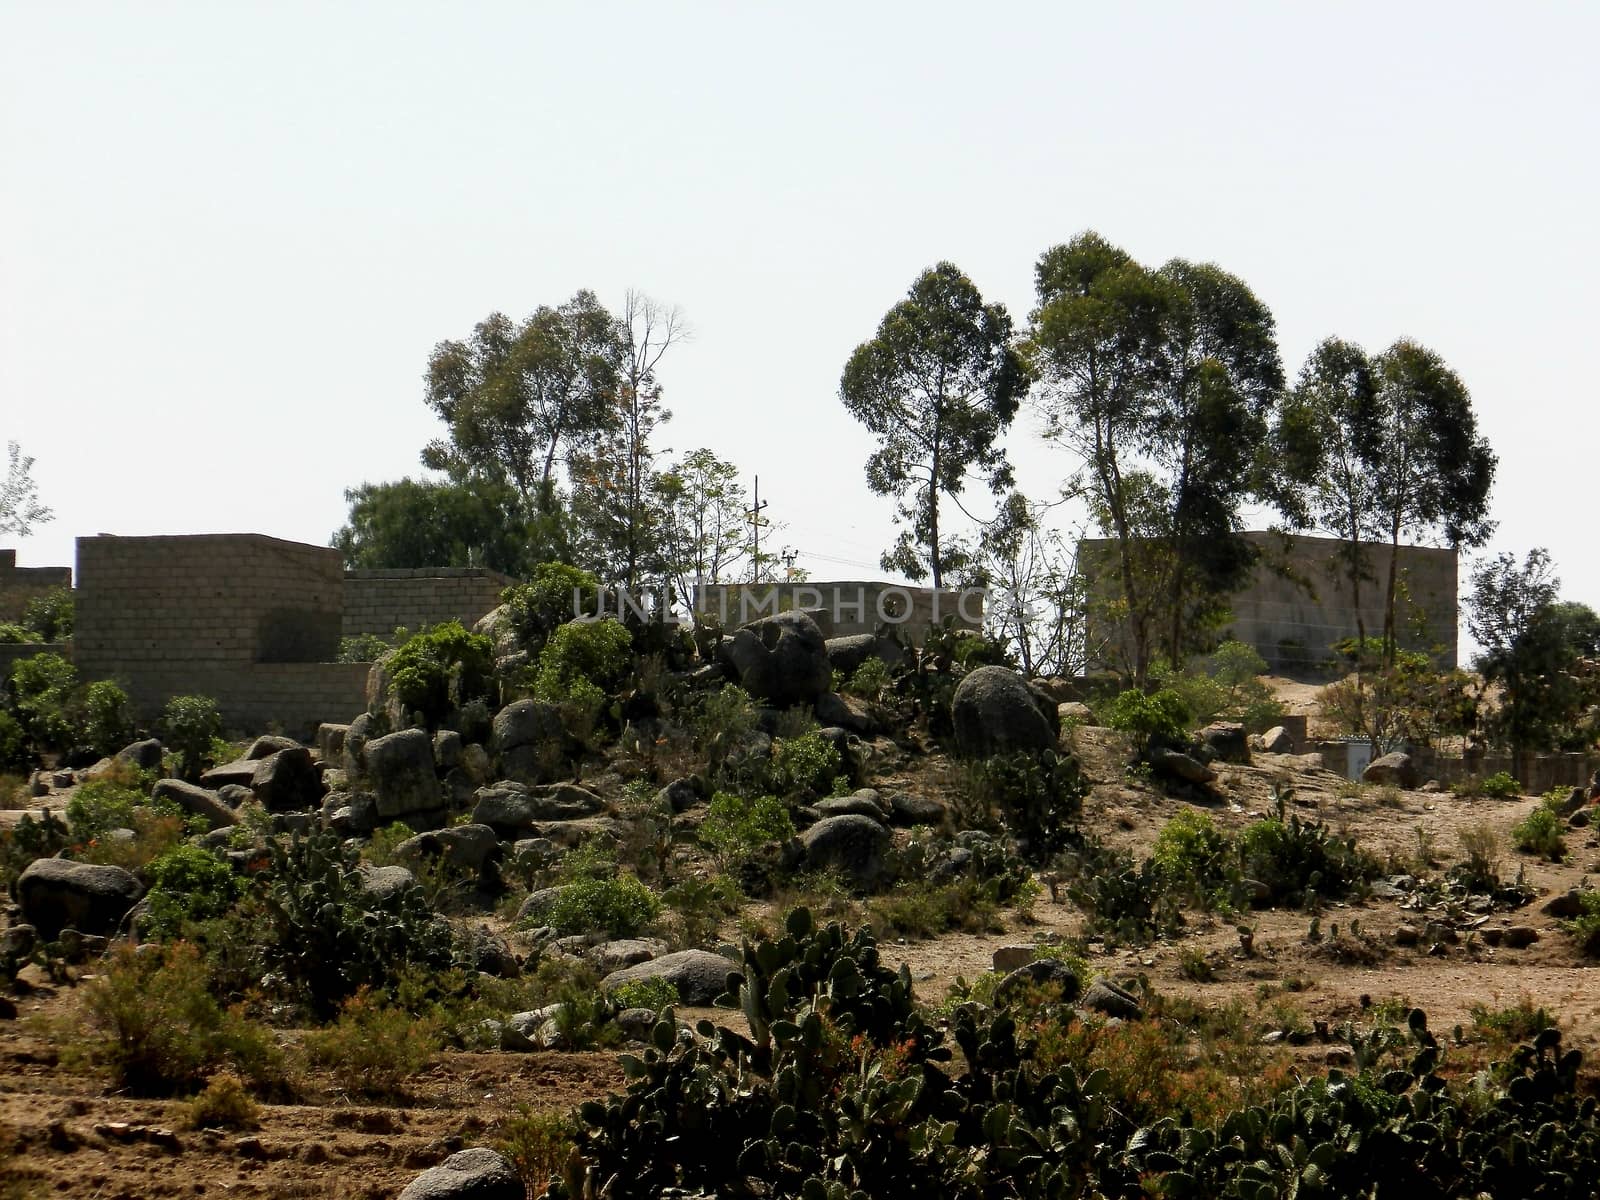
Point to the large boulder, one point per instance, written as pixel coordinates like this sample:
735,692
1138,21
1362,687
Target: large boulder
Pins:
400,767
1037,973
995,712
781,660
354,746
1397,769
1179,765
846,654
699,975
1277,740
286,780
468,846
146,754
851,844
1227,741
195,801
511,808
475,1174
269,744
57,893
529,741
383,882
526,723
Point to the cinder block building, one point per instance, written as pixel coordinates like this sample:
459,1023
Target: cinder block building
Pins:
1297,603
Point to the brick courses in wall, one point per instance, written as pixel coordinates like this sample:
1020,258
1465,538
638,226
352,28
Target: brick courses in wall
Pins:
19,585
376,602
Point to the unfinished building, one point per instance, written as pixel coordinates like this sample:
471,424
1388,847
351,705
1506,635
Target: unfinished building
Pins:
1297,603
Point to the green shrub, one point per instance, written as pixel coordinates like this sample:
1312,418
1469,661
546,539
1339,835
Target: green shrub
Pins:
654,994
1162,714
1585,927
736,827
1540,833
808,763
12,634
367,647
619,905
537,1145
14,754
700,906
871,679
108,723
723,719
1193,856
224,1104
152,1019
599,653
1480,871
375,1047
49,616
189,727
554,594
439,669
1502,785
1299,860
42,696
101,805
32,837
188,884
1039,797
327,935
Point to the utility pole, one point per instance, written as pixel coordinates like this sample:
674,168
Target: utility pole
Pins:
788,555
753,515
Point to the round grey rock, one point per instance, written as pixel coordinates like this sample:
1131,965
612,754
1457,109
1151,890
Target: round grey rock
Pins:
475,1174
699,975
994,712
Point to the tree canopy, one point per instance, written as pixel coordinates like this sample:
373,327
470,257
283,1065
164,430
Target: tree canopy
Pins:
937,385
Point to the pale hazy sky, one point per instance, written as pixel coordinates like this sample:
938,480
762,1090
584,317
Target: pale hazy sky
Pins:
230,235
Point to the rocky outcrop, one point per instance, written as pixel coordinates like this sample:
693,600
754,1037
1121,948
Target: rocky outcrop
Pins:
781,660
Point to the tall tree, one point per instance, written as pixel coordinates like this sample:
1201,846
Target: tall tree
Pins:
938,385
20,509
1096,342
479,523
1221,383
516,399
1433,470
1330,428
703,509
612,501
1531,647
1036,596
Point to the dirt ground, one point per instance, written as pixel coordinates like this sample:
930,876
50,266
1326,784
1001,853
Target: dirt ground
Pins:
75,1137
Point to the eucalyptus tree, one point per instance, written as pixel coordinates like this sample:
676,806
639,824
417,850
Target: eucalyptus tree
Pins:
938,385
519,399
1433,471
1330,430
1208,428
20,509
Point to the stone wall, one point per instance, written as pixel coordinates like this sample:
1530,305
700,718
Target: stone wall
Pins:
19,585
1298,603
252,621
854,607
375,602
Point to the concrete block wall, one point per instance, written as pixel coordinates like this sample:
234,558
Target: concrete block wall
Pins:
375,602
202,614
1298,603
855,606
19,585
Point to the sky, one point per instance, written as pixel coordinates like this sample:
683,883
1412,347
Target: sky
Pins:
230,235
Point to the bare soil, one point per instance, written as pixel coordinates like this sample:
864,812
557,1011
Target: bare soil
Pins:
74,1136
